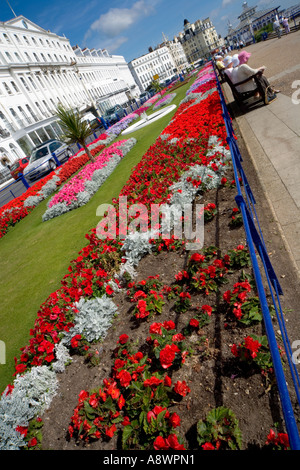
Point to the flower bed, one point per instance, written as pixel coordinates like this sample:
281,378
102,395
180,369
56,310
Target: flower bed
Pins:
83,186
20,207
117,128
164,101
167,375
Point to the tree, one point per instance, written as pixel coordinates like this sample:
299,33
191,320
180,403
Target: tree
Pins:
75,130
156,85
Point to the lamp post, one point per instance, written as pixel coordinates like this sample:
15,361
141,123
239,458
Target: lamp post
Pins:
74,64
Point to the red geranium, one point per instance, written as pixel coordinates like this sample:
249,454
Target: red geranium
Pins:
181,388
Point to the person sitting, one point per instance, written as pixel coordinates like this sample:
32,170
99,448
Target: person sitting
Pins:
219,62
243,71
230,63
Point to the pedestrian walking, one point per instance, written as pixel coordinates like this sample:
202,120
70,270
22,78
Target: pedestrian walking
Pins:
285,23
277,28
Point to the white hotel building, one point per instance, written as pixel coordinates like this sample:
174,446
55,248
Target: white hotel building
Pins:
164,61
38,70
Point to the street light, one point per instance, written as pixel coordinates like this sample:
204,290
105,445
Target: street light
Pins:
74,64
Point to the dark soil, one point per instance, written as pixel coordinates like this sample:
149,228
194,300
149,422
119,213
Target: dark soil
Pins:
212,372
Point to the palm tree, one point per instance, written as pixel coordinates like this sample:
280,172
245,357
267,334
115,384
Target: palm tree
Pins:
75,130
157,86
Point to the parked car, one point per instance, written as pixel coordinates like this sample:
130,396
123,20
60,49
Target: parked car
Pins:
93,121
145,96
42,160
96,124
114,114
18,167
152,92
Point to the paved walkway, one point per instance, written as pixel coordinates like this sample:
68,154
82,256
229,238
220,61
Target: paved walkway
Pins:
271,134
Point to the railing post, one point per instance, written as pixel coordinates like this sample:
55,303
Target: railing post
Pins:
56,159
24,181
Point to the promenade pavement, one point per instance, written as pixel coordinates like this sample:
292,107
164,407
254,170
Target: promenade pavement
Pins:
272,136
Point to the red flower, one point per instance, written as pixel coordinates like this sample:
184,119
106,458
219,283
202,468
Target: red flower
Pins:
110,431
253,346
174,420
194,322
234,350
153,381
172,440
32,442
207,309
155,328
121,402
167,355
124,377
197,257
109,290
160,443
123,339
208,446
181,388
126,421
22,430
167,381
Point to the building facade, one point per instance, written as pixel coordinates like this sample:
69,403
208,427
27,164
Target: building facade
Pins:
199,39
38,71
157,63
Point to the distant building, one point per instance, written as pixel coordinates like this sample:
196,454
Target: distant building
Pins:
38,70
199,39
177,53
250,21
157,63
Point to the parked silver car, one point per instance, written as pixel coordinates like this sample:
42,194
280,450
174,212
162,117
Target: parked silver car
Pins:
42,159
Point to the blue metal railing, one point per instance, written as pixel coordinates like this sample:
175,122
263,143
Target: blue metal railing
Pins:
256,245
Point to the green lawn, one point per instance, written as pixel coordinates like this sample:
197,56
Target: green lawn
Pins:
35,255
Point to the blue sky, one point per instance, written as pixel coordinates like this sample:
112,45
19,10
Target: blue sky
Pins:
126,27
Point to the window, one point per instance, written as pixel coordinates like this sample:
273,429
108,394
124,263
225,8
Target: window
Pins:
7,89
46,106
18,57
26,39
13,113
39,107
9,56
54,146
22,112
32,83
15,87
31,112
24,83
6,37
36,57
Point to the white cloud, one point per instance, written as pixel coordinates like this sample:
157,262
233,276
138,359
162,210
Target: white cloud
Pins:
117,20
112,44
